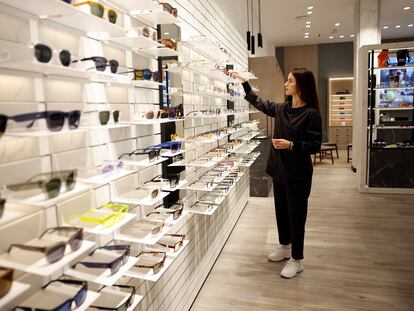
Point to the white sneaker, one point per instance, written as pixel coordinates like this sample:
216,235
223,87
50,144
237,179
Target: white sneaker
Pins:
292,268
282,252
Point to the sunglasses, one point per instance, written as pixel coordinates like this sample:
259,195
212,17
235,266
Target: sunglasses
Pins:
105,115
173,179
169,43
44,54
169,8
173,241
79,297
98,10
54,119
153,153
113,265
6,280
175,146
101,63
106,220
176,213
51,183
124,307
158,265
144,74
56,251
121,208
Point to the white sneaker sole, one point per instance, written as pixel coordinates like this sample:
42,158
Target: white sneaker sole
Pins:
291,277
277,260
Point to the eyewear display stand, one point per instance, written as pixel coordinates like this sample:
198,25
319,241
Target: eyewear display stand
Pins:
97,83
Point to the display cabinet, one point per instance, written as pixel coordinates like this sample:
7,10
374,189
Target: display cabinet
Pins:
390,118
341,101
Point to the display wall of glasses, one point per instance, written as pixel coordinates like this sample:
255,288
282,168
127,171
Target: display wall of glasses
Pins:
69,109
390,117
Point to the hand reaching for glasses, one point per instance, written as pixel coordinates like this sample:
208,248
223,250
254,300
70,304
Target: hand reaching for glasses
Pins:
237,75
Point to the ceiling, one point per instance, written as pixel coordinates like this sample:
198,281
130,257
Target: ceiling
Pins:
282,26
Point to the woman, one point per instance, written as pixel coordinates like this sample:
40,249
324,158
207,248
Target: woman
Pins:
297,134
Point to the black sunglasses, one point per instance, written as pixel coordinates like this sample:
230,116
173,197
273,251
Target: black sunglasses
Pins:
173,179
175,212
44,54
128,303
54,119
79,297
56,251
100,63
51,183
152,153
144,74
113,265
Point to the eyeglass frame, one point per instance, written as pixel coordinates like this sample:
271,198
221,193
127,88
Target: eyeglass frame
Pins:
180,243
153,267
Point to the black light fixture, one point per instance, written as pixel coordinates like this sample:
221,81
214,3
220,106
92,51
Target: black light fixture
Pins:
259,35
252,46
248,27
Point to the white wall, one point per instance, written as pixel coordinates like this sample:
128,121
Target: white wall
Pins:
236,12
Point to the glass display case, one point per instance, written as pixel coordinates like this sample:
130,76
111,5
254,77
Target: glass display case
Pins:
390,117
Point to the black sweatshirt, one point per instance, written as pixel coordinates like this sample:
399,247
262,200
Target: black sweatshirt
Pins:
302,126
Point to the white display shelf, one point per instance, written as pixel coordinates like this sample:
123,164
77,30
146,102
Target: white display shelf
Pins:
92,25
100,229
36,263
155,18
341,95
19,148
131,164
41,8
16,290
54,295
133,5
391,68
204,189
160,52
146,83
208,49
39,199
136,42
169,251
203,94
100,276
102,180
342,100
146,201
13,211
170,154
111,297
181,185
131,234
208,212
146,273
168,220
153,121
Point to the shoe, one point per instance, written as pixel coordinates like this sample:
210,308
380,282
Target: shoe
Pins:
282,252
291,268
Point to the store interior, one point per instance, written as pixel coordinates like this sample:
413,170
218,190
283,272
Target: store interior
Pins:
132,169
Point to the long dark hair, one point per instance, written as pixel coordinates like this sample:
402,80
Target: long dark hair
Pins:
306,87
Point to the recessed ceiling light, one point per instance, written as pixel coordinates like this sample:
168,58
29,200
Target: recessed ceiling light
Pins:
306,37
308,22
407,8
166,33
341,36
398,26
411,25
352,36
307,26
306,33
310,7
330,37
309,12
337,24
385,27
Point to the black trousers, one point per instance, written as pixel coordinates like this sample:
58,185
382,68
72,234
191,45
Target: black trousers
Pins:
291,205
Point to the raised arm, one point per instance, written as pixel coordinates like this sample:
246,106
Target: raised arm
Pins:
265,106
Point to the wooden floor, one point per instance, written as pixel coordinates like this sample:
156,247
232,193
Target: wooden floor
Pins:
359,253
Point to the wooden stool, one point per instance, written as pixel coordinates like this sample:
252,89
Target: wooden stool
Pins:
325,151
349,148
332,144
